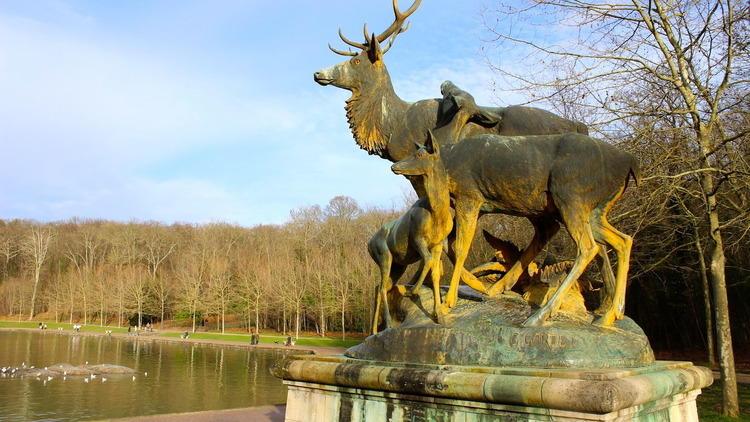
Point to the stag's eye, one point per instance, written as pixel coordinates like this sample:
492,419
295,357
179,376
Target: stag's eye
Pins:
355,61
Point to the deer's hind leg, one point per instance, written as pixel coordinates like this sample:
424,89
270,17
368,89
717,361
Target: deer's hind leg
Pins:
576,220
385,261
544,229
613,308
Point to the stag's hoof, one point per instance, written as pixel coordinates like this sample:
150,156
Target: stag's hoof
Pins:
537,319
440,318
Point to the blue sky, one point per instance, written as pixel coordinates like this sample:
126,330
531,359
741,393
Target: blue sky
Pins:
198,111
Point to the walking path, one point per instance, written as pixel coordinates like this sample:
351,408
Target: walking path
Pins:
741,377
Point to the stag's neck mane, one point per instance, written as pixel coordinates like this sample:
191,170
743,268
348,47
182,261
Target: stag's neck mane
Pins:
373,115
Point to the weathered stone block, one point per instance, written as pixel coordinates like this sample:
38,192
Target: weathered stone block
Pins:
343,389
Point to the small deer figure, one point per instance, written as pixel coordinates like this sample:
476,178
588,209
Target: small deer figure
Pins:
418,235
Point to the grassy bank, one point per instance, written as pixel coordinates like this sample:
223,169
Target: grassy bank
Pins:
242,338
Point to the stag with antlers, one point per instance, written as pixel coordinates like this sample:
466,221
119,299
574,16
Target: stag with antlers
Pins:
385,125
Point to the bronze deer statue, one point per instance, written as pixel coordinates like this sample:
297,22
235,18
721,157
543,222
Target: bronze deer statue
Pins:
385,125
571,179
417,235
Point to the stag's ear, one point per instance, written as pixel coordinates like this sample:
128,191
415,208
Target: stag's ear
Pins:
431,144
374,53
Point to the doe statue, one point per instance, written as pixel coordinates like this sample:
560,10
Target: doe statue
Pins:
571,179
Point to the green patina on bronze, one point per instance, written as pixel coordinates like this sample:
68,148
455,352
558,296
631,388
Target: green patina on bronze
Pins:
488,332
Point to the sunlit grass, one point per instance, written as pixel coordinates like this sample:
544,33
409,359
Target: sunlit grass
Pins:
244,338
709,404
64,326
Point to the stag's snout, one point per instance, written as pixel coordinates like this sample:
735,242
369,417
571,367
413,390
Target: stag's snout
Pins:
322,78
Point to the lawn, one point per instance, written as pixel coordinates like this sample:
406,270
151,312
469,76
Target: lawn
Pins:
709,404
245,338
56,325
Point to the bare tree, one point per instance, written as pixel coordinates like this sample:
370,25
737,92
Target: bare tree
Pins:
35,248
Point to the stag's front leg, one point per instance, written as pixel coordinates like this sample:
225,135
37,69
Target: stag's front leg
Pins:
544,229
467,213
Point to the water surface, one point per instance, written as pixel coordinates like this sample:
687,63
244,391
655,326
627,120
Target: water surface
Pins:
182,377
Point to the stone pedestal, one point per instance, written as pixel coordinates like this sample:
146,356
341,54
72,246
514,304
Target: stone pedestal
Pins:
345,389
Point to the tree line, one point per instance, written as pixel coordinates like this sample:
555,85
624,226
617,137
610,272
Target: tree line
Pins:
312,273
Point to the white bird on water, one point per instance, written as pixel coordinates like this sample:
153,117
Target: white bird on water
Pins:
133,377
86,380
104,380
93,375
145,374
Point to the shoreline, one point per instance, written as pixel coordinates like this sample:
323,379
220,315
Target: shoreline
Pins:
152,336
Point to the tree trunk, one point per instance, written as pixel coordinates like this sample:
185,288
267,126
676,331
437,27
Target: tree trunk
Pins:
730,405
222,315
343,323
296,325
257,317
33,293
194,316
706,300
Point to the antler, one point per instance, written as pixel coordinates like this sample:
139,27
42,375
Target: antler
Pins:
343,53
352,43
393,37
392,32
399,21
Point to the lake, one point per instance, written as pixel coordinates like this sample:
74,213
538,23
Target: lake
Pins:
182,377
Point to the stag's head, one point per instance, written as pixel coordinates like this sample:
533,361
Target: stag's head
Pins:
424,162
365,68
